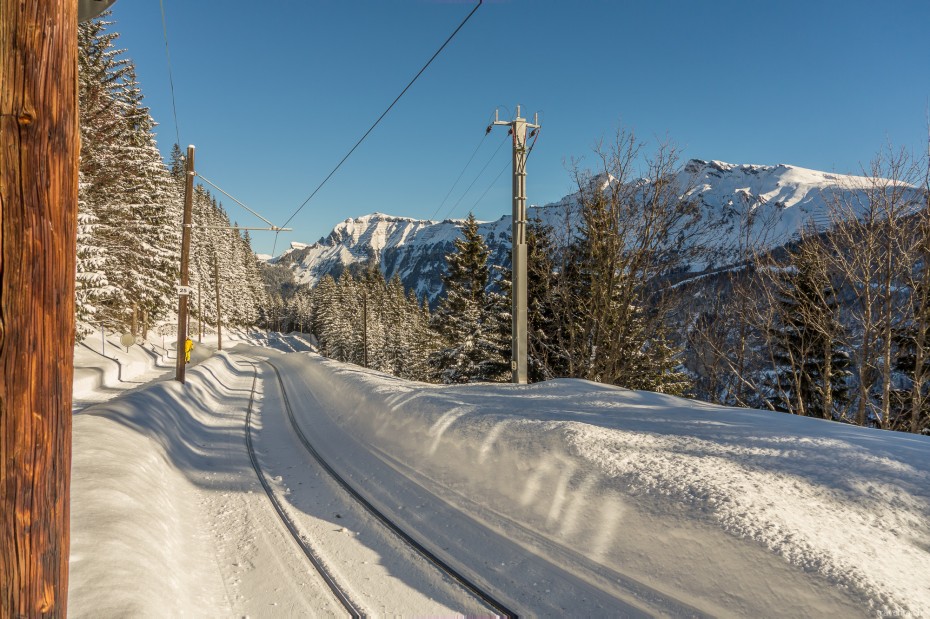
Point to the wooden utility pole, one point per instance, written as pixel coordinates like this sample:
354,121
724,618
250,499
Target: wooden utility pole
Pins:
200,311
518,360
39,144
183,292
219,311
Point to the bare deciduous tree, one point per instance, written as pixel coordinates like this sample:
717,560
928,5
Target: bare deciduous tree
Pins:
869,247
612,295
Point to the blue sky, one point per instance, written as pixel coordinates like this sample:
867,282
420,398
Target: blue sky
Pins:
273,95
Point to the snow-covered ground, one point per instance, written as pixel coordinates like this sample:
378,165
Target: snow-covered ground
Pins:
562,498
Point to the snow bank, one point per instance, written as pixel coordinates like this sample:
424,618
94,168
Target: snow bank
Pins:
150,471
732,510
138,543
101,363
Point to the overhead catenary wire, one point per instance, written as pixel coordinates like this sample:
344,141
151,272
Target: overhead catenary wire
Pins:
174,107
499,174
475,180
461,174
375,124
504,169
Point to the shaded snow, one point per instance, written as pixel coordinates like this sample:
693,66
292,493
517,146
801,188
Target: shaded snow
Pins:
169,519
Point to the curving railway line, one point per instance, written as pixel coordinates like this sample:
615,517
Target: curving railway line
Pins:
319,566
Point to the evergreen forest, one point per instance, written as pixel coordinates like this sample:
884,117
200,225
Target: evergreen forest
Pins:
130,203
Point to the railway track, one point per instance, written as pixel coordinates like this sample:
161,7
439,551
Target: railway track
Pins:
327,577
405,537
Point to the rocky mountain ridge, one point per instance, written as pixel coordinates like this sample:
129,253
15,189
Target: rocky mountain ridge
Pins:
768,204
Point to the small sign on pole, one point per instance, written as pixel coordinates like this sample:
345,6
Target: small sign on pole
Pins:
182,290
127,340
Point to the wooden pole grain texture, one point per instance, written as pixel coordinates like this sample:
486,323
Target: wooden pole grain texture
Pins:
39,144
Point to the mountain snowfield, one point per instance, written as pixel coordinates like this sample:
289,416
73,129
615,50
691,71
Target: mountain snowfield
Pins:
778,201
566,498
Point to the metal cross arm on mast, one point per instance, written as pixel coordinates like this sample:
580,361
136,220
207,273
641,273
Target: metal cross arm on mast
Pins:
273,227
269,229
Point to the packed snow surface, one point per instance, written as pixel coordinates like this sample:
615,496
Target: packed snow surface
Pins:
562,498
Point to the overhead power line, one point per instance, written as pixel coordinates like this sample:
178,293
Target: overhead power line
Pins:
370,129
174,107
461,174
499,174
475,180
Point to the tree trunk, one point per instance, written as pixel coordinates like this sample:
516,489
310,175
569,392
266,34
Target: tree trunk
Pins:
921,318
921,315
38,223
827,412
888,283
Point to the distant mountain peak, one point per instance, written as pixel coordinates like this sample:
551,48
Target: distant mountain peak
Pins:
786,198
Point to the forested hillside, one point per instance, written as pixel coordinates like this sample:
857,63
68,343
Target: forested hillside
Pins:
129,211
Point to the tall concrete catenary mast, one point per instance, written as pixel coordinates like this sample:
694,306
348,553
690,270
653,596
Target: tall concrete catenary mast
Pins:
518,127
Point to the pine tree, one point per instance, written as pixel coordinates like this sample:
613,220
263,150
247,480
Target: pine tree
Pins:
542,355
397,328
610,300
497,331
91,281
605,329
99,71
128,204
463,319
325,311
176,165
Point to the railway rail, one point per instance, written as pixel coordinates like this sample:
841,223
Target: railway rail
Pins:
318,565
405,537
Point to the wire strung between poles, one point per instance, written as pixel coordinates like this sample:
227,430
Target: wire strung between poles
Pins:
174,107
523,169
462,173
370,129
475,180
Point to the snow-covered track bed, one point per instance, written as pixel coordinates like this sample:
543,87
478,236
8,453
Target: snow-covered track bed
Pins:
315,561
546,491
401,534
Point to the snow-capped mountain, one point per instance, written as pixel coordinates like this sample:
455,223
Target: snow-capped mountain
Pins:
413,249
764,205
